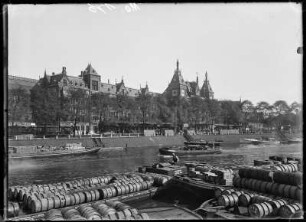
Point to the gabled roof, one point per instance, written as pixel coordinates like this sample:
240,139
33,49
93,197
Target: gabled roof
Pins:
119,86
79,81
90,70
55,78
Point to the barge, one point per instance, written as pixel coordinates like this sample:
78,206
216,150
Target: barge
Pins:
195,190
16,152
189,150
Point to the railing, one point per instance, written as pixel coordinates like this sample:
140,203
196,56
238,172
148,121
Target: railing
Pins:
111,135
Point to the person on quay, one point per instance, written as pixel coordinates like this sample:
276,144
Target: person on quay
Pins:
175,158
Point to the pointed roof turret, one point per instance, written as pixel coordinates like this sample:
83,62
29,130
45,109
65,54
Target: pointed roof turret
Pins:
177,64
90,70
206,90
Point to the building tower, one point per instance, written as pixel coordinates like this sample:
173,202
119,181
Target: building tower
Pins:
206,90
177,87
91,78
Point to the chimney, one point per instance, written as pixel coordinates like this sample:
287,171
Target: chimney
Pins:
53,73
108,81
64,69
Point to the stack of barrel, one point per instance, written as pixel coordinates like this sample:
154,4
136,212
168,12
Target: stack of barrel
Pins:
108,210
278,183
281,159
38,198
258,205
157,179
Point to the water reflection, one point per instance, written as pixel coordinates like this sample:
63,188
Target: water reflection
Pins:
48,170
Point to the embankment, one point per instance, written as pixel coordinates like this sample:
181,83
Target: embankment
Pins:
135,141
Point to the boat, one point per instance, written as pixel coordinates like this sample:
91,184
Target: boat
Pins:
20,152
189,150
203,143
193,141
292,141
263,140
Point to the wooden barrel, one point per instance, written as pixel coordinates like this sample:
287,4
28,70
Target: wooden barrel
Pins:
110,192
227,191
82,197
76,198
67,200
256,210
226,200
292,192
245,199
13,209
53,214
298,194
50,203
259,199
120,215
114,191
257,185
88,197
286,211
71,214
118,190
280,190
274,189
35,206
218,191
131,188
260,209
236,196
275,205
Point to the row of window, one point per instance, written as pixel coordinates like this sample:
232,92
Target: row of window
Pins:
75,83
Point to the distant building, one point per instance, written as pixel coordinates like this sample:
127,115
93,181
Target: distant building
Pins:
180,88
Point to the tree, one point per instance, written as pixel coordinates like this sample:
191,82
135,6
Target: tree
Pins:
144,103
214,110
43,104
164,111
124,105
247,109
196,110
281,107
18,104
231,112
101,104
78,105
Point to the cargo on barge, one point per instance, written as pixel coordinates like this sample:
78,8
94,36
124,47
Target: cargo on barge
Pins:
196,190
21,152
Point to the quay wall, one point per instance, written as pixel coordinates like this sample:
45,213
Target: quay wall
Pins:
141,141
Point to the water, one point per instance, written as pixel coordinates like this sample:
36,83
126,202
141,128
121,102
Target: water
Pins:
57,169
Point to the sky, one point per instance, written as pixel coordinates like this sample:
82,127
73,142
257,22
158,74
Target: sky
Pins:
249,50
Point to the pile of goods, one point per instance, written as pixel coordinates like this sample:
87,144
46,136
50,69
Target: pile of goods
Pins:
40,198
257,205
210,174
280,179
100,210
164,168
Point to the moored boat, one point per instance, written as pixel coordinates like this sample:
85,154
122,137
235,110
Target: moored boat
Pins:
39,152
189,150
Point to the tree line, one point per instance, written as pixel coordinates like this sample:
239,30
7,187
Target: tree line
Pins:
53,106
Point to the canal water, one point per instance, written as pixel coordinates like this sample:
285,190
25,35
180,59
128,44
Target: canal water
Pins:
50,170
